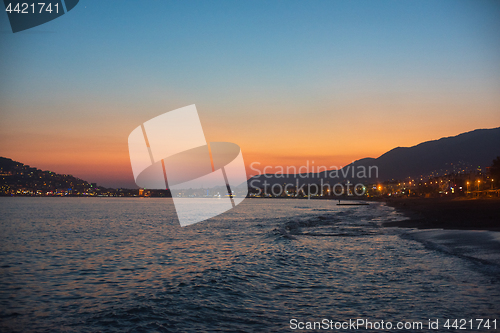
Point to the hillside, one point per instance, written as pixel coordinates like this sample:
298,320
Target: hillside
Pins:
458,154
21,179
464,152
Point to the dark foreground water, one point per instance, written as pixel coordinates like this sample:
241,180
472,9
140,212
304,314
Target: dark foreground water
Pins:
125,265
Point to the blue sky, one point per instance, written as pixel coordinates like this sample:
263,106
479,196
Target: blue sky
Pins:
254,69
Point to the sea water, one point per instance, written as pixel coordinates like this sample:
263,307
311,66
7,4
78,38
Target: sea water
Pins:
125,265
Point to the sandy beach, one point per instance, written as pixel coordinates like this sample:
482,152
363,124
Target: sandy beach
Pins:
445,213
469,228
480,245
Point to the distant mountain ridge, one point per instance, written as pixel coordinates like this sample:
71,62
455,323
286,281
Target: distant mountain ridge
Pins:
475,149
466,151
16,177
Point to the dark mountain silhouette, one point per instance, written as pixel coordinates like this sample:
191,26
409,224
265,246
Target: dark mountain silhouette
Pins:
19,178
471,150
464,152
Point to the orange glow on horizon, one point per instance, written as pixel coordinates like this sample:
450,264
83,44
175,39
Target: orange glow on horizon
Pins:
96,149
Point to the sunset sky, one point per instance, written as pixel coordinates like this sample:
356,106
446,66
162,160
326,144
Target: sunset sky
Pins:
288,81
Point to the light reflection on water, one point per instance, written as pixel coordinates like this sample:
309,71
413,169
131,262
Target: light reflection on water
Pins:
112,264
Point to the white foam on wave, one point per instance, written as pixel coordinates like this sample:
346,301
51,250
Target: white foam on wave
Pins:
482,245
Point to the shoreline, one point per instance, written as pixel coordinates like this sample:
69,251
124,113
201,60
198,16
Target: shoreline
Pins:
447,213
468,228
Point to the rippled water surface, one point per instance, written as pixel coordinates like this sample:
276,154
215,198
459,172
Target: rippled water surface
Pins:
115,265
